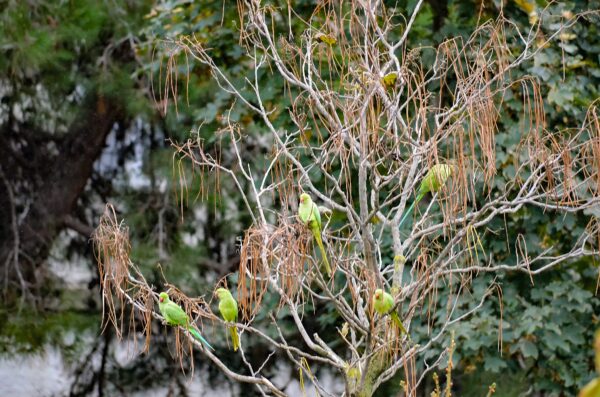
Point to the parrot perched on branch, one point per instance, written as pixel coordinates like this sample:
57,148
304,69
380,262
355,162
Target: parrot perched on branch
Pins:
325,38
229,310
383,303
309,215
175,315
389,80
432,182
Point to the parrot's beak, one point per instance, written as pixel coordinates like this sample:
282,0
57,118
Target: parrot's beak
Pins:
301,201
160,299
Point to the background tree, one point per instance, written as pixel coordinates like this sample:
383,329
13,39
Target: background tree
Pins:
66,85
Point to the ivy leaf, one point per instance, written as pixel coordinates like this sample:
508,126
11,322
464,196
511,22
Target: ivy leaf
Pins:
494,364
554,341
560,96
529,349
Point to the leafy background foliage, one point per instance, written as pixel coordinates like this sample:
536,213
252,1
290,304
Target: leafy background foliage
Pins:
546,327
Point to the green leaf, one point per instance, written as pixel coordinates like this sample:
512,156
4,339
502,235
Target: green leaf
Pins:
494,364
560,95
529,349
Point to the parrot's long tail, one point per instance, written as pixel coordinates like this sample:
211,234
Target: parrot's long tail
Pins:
197,335
409,210
398,322
317,235
235,338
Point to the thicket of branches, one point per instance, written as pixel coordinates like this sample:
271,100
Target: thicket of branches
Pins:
371,119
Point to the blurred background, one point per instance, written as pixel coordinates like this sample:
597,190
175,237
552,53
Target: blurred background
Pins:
91,98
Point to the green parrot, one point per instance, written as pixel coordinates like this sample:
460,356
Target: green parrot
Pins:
174,315
389,80
432,182
327,39
383,304
592,389
229,311
310,215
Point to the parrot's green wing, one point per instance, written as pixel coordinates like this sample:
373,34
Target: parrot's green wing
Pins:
389,305
435,178
316,215
175,314
432,182
228,308
388,300
229,311
309,214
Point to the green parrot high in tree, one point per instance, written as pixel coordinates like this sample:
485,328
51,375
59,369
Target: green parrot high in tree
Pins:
229,311
432,182
174,315
310,215
383,303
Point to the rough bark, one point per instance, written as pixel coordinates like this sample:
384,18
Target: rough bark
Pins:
54,197
440,12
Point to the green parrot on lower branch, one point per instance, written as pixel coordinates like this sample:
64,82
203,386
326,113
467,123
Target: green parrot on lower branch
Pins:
229,310
383,303
432,182
309,214
174,315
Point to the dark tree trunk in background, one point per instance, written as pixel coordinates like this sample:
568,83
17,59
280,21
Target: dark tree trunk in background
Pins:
440,12
53,197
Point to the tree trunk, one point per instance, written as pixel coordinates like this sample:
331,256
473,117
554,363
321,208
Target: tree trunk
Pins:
54,197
